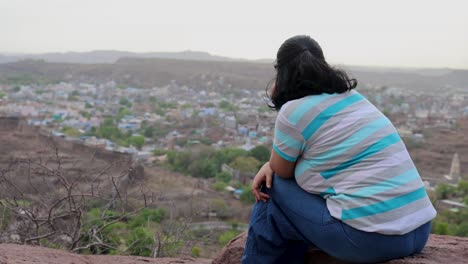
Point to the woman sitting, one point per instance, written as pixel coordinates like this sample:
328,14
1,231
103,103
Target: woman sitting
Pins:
339,177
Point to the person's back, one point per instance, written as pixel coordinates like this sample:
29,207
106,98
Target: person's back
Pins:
347,151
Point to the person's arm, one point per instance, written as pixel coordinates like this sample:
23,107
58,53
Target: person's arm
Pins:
282,167
278,165
288,144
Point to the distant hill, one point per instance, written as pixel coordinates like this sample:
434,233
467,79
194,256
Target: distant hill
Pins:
111,56
426,79
143,72
190,67
7,58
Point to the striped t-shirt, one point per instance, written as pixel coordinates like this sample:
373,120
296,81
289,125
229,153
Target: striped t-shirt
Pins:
347,151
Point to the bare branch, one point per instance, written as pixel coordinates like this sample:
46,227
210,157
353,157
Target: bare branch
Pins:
39,237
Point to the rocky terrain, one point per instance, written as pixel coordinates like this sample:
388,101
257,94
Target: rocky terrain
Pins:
439,249
433,157
21,141
187,200
11,253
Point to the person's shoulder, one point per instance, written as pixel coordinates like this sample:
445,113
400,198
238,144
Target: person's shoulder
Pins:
288,108
291,104
307,103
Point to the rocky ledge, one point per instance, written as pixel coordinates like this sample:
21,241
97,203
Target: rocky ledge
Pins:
439,249
21,254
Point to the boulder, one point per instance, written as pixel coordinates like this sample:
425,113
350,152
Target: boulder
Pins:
439,249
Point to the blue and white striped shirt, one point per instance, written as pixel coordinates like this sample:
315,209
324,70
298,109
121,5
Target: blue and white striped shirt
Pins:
346,150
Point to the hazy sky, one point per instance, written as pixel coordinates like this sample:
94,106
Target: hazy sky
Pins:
358,32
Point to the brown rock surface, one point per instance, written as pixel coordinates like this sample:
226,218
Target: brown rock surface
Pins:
21,254
439,249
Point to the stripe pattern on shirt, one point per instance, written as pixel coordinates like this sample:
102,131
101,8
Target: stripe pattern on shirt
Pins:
347,151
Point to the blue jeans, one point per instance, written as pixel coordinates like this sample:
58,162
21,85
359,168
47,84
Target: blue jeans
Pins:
282,229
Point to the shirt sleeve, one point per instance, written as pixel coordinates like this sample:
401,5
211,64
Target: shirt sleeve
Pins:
288,141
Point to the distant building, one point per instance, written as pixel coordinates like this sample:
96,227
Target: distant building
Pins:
238,193
208,111
230,122
422,113
449,205
455,174
252,134
243,131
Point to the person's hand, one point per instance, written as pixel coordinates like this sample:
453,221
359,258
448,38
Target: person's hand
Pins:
265,174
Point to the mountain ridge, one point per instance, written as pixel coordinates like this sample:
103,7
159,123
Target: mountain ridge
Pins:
112,56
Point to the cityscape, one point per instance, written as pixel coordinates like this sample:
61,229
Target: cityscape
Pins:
192,141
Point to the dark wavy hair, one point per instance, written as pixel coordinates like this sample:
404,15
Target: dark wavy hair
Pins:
301,70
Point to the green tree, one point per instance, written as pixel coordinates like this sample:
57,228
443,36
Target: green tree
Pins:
227,155
108,122
39,91
462,230
70,131
137,141
227,236
444,191
223,176
85,114
462,189
247,197
245,164
227,106
160,130
148,132
195,252
219,186
109,132
440,228
202,168
159,152
140,241
110,235
261,153
179,160
146,216
123,101
123,112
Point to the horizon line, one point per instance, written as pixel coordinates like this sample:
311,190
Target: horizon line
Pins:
228,58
